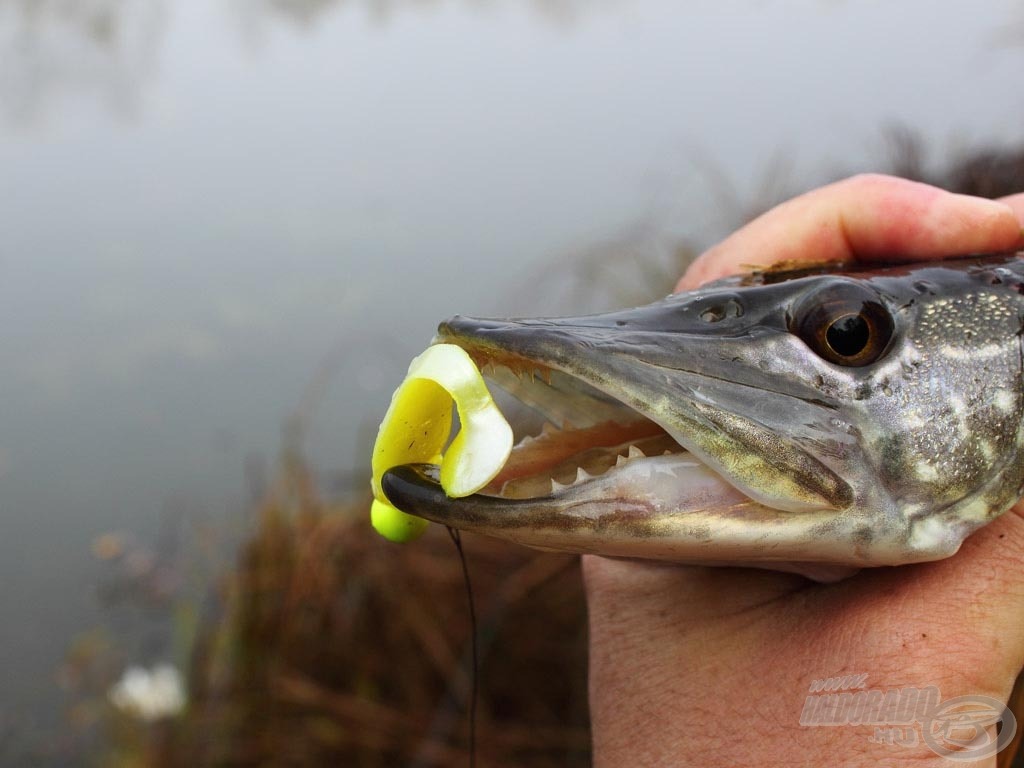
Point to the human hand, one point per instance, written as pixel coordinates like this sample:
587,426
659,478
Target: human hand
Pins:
692,665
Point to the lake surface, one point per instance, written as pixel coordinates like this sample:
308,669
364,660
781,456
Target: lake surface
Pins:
215,211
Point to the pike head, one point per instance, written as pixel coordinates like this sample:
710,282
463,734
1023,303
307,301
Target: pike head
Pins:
808,420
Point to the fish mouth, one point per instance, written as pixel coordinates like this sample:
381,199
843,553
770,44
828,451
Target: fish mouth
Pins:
603,458
638,436
586,472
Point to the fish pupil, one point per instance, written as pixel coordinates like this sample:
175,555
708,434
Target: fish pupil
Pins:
848,335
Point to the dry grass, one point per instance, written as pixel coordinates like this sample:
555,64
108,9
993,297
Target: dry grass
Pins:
340,648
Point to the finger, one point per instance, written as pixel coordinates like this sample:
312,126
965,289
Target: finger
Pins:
1016,202
870,216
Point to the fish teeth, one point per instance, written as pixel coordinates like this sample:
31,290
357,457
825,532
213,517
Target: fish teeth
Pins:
620,461
548,428
636,453
556,486
582,476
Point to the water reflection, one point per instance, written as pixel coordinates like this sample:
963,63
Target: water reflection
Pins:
51,48
108,49
306,13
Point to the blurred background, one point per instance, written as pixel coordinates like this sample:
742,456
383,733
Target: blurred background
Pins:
226,226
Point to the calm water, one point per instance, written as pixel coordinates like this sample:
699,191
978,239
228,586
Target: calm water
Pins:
204,202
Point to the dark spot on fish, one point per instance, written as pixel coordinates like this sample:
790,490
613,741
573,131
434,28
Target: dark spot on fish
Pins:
699,532
893,455
923,286
824,530
819,403
864,535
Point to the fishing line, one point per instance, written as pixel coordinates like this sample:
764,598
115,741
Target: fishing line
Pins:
457,540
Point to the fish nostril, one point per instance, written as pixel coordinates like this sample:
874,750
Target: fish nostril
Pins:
713,314
717,312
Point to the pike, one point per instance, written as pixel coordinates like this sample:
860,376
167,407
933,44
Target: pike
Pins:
814,419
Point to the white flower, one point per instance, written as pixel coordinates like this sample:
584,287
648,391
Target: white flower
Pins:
149,694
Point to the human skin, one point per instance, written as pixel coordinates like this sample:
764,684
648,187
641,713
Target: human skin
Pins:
702,666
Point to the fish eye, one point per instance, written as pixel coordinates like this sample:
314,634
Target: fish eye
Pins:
844,323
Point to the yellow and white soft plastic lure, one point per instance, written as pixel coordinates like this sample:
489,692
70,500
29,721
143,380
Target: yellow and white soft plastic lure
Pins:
418,424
